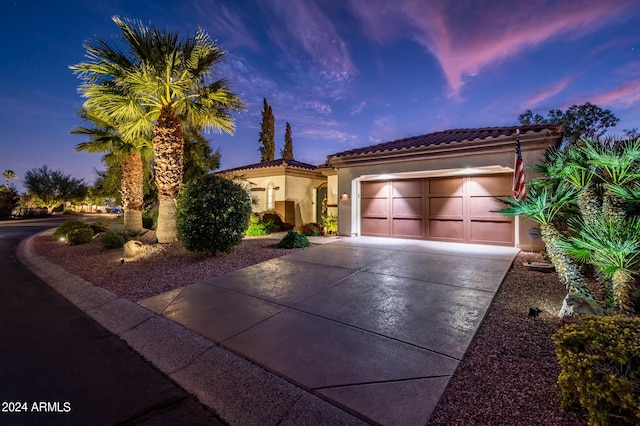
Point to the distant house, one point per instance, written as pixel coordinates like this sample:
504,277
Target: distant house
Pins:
440,186
296,191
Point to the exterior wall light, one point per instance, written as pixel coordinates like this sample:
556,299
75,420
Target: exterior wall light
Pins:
344,196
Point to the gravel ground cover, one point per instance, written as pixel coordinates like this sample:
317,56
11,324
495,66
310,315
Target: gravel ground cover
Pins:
507,377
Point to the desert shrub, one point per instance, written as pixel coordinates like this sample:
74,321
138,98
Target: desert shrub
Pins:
79,236
212,214
331,223
600,361
256,227
98,211
113,239
66,227
274,222
312,229
8,201
294,239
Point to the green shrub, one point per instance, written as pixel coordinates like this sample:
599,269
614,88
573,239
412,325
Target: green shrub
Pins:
98,211
79,236
256,227
312,229
212,214
331,223
113,239
66,227
600,361
294,239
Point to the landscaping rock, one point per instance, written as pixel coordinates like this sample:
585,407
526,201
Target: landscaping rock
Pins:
133,248
575,305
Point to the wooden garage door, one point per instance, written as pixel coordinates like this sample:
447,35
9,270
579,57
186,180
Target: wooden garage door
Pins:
445,209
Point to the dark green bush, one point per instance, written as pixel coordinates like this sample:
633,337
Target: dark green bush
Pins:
62,230
294,239
212,214
600,361
312,229
79,236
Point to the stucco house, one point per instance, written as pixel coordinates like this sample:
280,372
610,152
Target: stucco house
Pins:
439,186
292,189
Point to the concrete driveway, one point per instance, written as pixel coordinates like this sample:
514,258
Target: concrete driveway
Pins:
375,326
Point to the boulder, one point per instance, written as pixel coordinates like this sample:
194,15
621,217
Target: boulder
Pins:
575,305
133,248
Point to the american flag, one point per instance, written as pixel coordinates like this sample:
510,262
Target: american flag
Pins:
519,191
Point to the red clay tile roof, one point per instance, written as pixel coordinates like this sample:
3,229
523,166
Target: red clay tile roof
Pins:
445,137
272,163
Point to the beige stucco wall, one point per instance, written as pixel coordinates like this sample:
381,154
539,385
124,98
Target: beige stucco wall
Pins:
261,196
302,190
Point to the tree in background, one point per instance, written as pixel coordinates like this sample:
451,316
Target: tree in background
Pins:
588,120
287,151
267,133
154,83
52,187
8,175
199,158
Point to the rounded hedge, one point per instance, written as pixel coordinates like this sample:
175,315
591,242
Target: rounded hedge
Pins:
294,239
212,214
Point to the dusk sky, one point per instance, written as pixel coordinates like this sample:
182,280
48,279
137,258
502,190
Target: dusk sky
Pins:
344,73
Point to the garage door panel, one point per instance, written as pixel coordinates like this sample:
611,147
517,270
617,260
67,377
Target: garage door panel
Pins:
374,227
481,208
445,206
497,185
446,186
374,189
375,207
407,188
408,228
450,230
487,232
407,207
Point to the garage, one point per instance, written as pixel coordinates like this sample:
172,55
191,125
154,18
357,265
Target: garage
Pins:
439,186
456,208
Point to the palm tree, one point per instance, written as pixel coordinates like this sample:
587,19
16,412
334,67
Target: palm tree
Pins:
612,245
9,174
157,83
548,204
104,137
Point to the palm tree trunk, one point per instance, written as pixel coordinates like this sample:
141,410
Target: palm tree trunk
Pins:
168,151
565,267
132,191
623,289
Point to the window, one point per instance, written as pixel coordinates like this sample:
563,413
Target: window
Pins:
270,196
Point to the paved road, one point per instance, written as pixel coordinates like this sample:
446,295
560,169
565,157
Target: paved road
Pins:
59,367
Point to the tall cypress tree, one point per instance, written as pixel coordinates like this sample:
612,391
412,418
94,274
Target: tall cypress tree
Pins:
287,152
267,133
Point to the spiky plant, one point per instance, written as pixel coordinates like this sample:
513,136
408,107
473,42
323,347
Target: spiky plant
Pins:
612,245
548,205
